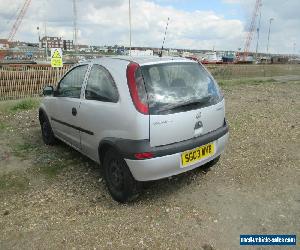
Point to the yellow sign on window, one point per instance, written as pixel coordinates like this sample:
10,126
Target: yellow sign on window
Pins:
56,58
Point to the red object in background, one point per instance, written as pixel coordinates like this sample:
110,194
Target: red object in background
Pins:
3,53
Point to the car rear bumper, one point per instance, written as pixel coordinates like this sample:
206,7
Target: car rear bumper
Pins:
168,165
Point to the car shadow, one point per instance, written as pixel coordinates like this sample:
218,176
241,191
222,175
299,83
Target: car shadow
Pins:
168,186
151,190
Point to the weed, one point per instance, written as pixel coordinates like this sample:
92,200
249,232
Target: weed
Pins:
23,105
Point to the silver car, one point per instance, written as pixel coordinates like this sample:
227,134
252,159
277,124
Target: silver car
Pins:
140,118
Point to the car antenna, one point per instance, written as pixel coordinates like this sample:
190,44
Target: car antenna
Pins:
162,47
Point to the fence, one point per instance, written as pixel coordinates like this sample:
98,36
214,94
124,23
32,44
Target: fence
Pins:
29,80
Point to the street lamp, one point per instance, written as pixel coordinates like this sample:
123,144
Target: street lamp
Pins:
294,48
258,30
129,15
271,19
38,30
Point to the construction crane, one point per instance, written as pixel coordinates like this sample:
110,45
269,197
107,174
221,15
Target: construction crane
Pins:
18,20
75,32
251,29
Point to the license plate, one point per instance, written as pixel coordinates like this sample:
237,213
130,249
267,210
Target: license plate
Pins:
195,155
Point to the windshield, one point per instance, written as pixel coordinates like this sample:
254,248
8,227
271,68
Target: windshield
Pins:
179,86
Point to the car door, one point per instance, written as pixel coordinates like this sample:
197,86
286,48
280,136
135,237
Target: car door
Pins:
99,110
66,105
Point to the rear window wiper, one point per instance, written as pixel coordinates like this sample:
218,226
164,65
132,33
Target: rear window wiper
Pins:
194,102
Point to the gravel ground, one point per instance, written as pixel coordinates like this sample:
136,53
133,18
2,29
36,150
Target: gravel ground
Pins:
51,197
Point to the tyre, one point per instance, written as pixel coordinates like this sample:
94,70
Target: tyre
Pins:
47,133
119,180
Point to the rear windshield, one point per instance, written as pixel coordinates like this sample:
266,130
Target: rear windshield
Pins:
177,87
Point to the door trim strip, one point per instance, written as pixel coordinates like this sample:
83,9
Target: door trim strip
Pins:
72,126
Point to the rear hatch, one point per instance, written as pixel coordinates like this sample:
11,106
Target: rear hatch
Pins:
184,101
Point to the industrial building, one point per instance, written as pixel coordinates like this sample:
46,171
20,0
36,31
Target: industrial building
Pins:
4,44
56,42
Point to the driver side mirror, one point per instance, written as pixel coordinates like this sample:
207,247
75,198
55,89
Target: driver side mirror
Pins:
48,90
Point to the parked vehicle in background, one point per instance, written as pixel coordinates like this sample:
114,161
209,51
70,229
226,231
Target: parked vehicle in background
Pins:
140,118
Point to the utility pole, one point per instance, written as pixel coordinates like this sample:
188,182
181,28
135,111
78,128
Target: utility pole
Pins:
271,19
294,48
162,47
75,26
129,6
258,30
46,38
38,30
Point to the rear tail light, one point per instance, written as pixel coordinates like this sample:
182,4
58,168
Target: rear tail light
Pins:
137,88
142,156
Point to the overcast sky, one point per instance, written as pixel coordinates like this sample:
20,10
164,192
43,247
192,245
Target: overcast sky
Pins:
194,24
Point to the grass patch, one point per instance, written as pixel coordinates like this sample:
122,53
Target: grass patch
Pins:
49,161
54,168
26,104
245,81
23,149
235,71
3,126
52,161
13,182
14,106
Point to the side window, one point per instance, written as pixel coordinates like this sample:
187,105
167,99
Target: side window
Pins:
101,86
70,85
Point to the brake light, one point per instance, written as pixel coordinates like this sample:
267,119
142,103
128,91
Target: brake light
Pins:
137,88
142,156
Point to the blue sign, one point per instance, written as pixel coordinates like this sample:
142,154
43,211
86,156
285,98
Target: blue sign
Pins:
267,240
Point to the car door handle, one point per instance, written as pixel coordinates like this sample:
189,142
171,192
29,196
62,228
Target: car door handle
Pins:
74,111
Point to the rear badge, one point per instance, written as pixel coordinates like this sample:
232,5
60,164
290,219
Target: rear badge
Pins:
198,116
198,125
161,123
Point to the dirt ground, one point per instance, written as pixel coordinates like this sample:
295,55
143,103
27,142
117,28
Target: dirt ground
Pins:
53,198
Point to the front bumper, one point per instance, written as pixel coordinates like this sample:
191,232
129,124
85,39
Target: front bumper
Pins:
168,165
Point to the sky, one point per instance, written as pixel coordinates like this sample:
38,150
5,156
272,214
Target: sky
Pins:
194,24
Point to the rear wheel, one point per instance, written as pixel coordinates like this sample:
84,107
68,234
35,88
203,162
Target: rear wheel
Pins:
47,133
119,180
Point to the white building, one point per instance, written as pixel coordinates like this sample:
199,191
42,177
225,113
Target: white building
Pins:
147,52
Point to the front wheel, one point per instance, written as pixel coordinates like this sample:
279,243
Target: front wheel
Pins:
47,133
119,180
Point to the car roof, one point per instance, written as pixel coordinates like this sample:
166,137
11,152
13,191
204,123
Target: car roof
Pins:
142,60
